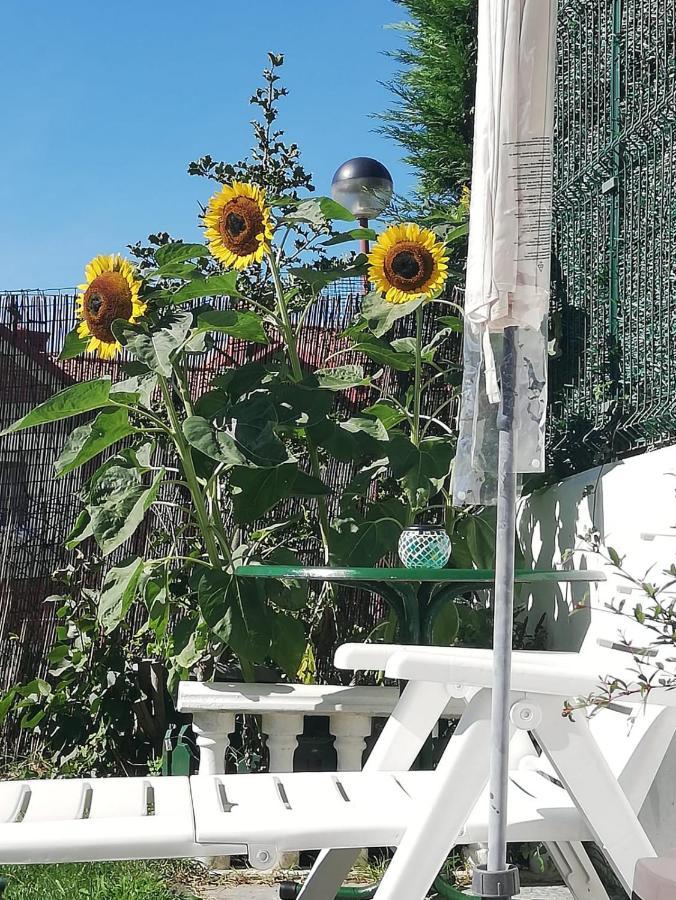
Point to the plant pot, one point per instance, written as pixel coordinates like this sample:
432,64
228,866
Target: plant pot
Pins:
424,547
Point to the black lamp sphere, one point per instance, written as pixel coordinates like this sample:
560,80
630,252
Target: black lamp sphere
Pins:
364,186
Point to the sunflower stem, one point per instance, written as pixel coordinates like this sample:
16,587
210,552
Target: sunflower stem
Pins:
296,368
415,429
183,448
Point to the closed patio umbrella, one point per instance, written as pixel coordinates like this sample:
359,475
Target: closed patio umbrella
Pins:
501,429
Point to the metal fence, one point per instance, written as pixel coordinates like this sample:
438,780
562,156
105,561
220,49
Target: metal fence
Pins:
613,383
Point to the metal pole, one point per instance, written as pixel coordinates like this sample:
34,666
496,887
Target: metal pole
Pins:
364,248
497,880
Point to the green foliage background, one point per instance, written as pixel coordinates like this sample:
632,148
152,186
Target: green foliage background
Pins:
432,116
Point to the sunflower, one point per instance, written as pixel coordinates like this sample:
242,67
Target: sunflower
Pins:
407,261
111,292
237,225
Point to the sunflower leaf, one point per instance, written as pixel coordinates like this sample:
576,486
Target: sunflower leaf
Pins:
218,445
354,234
224,285
319,278
246,326
258,490
452,322
118,592
318,211
87,441
173,270
81,530
384,354
72,401
381,315
118,505
179,252
341,378
155,348
73,345
288,641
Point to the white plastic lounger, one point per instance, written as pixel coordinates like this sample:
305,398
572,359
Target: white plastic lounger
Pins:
571,795
81,820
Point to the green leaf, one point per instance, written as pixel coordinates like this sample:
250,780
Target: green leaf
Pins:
422,469
174,270
155,348
479,536
81,530
158,606
318,211
355,234
118,592
286,593
342,378
319,278
381,315
445,624
246,326
74,345
178,252
224,285
188,642
351,440
452,322
258,490
456,233
118,504
135,389
383,353
288,641
217,445
72,401
300,404
389,415
363,542
255,418
87,441
234,609
212,596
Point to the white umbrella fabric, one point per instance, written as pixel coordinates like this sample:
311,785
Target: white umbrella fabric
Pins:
505,349
508,265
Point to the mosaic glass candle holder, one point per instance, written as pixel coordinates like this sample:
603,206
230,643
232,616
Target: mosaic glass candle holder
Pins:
424,547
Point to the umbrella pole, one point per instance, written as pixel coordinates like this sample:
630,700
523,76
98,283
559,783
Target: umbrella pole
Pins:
496,880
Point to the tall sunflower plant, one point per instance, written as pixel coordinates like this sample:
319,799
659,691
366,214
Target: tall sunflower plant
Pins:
182,484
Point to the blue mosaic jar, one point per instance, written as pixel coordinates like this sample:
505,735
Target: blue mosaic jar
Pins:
424,547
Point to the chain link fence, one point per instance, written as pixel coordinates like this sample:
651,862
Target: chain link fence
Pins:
613,384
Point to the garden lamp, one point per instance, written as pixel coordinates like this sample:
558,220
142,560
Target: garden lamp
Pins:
364,186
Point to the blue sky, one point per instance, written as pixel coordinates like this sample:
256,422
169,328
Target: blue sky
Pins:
104,104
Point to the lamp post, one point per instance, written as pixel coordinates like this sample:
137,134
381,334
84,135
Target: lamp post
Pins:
364,186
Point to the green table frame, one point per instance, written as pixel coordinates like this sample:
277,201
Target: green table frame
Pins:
416,596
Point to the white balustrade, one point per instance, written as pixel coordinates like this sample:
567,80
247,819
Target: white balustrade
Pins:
282,708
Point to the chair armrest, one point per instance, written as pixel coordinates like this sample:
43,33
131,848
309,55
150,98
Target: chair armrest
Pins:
374,657
356,657
561,674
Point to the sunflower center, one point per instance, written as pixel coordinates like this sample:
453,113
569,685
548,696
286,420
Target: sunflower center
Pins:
235,224
408,266
240,225
107,298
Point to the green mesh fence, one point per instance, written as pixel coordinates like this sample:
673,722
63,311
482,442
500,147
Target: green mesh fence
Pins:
613,372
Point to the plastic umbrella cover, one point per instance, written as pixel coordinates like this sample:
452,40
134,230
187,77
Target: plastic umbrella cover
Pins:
508,265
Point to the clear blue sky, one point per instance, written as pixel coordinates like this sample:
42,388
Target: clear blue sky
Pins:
103,105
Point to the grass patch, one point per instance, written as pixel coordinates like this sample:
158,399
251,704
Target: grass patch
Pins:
93,881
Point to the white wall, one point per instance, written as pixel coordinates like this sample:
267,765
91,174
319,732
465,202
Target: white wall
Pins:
632,507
